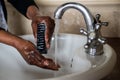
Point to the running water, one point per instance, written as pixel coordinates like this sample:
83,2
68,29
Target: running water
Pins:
63,69
56,44
56,34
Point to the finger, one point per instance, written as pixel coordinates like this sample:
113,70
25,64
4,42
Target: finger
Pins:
35,58
34,27
47,64
47,38
50,64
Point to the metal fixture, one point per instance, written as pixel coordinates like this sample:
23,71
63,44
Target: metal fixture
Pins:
95,41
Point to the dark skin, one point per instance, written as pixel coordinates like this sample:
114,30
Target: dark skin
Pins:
26,48
49,30
33,57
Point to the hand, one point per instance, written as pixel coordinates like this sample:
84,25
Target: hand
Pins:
33,57
49,23
28,51
34,15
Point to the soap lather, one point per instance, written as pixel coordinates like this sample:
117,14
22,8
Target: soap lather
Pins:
41,46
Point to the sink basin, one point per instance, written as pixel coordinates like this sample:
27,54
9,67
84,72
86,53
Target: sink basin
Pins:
75,63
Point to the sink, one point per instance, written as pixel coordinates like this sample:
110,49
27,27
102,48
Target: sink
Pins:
75,63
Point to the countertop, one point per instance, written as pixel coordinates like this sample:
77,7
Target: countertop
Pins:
115,74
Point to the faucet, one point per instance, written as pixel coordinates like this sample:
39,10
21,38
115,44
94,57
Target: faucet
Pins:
95,41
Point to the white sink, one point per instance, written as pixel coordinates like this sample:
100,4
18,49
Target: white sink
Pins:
75,63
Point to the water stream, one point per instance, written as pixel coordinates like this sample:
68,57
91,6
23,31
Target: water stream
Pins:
56,34
56,44
62,70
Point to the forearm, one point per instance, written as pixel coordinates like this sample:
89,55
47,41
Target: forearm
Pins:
9,39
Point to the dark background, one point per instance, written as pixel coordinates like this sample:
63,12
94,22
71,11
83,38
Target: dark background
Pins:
115,74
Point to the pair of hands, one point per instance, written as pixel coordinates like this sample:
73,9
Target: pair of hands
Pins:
28,49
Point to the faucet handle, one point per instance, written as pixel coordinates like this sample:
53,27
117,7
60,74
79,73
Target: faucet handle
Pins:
104,23
82,31
98,18
98,21
102,40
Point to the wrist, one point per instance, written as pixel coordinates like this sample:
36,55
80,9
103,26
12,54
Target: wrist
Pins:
7,38
19,43
10,39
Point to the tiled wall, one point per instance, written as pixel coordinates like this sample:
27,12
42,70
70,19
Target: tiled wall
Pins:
72,20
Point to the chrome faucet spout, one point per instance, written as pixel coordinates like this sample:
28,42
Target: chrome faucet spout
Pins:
85,12
95,41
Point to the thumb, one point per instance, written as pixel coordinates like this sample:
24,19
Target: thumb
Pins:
34,28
